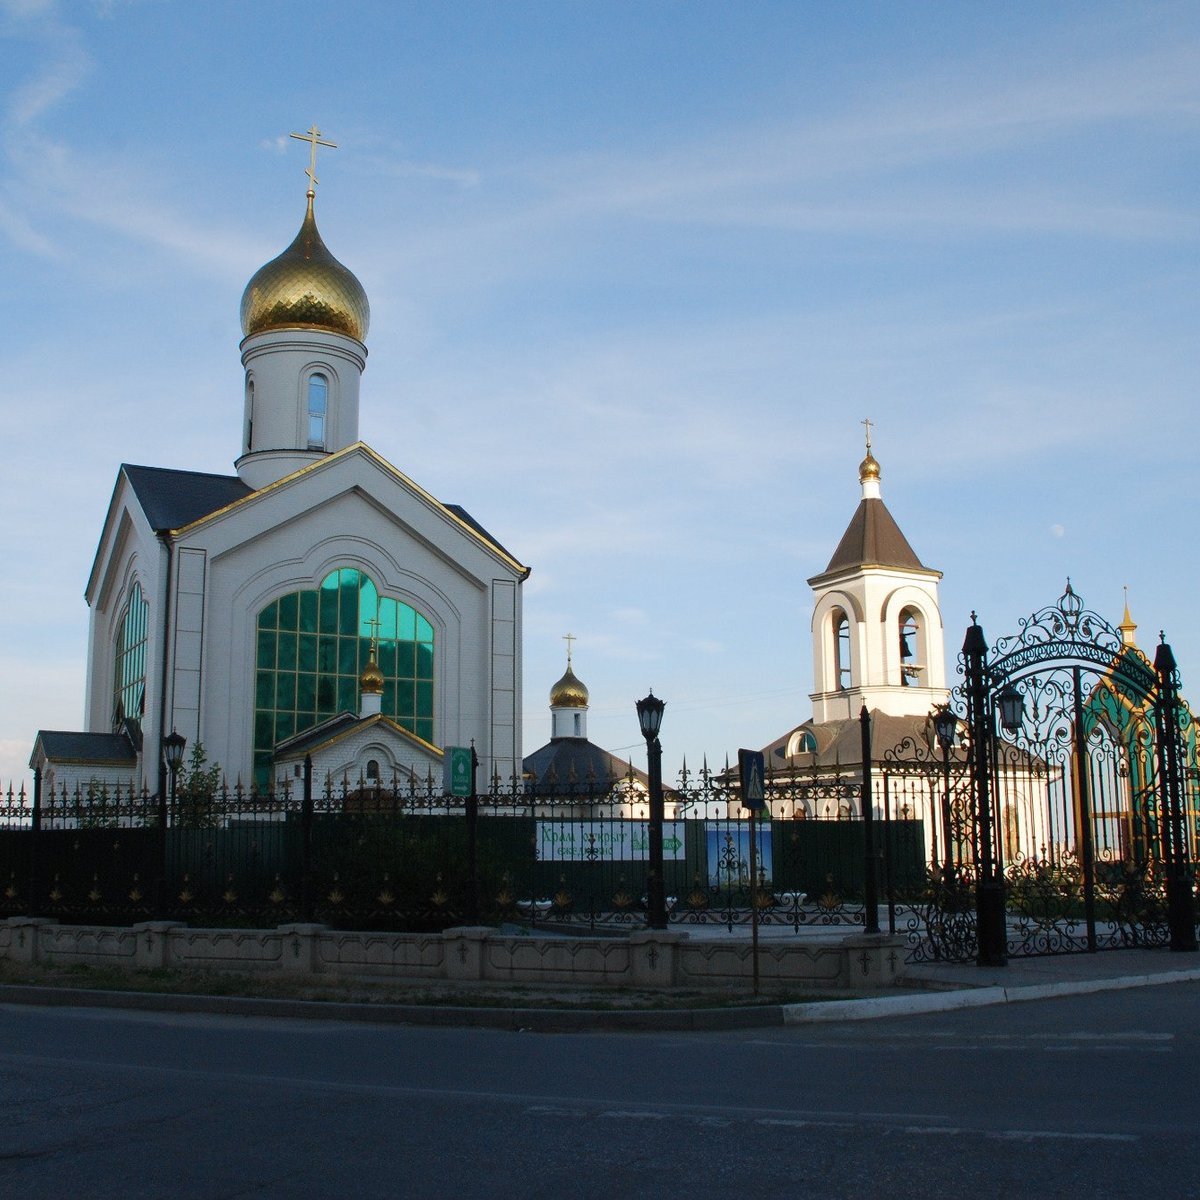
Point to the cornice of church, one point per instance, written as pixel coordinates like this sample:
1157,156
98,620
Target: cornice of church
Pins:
850,572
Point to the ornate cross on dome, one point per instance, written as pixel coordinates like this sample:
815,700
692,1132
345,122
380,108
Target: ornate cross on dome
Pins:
313,137
866,421
569,638
374,623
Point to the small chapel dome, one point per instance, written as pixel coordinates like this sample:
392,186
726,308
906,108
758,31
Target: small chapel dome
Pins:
868,469
306,287
371,680
569,692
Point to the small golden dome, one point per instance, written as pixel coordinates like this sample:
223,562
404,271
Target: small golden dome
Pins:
569,692
306,286
868,469
371,680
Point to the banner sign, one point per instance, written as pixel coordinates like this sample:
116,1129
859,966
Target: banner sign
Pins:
605,841
729,856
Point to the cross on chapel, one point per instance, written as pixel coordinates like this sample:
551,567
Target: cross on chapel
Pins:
313,137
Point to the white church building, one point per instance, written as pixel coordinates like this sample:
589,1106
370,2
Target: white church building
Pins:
318,601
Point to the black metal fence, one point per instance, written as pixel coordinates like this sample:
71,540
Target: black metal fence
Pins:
378,858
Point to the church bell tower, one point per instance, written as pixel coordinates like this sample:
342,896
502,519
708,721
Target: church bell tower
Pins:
877,626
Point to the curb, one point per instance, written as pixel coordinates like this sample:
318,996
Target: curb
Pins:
580,1020
910,1005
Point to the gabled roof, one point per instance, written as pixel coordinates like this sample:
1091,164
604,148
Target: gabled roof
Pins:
873,539
172,499
71,746
458,514
335,728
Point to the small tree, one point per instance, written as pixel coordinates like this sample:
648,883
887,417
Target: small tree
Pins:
196,791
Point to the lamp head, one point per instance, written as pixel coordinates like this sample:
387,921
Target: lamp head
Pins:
650,715
1012,708
173,745
945,725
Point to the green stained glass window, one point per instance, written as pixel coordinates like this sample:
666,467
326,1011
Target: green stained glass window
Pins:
312,647
308,611
289,607
129,666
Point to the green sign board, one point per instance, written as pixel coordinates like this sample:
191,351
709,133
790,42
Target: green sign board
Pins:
456,765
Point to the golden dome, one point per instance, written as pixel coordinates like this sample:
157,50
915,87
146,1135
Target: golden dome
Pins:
868,469
371,680
306,286
569,692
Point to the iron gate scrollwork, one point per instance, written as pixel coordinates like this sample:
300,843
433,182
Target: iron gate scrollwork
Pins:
1076,810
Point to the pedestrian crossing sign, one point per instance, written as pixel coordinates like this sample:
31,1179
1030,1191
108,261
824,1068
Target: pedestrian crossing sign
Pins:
752,772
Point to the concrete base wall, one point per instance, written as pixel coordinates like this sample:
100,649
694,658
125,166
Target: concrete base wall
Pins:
645,959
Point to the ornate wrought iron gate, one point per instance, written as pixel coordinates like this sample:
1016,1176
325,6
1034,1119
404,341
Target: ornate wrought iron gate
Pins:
1077,827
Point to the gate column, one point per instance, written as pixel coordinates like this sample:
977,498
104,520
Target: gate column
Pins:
990,924
1181,907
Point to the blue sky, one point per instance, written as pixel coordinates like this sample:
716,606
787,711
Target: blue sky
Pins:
637,272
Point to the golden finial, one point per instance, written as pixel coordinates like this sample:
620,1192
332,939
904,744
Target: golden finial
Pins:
868,469
569,638
313,137
1128,626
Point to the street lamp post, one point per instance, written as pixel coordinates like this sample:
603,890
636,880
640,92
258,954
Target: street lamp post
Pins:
650,714
945,725
172,745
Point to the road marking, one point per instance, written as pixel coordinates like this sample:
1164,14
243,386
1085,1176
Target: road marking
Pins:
1032,1135
856,1121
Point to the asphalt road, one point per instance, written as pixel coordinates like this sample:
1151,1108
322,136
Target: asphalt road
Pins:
1075,1097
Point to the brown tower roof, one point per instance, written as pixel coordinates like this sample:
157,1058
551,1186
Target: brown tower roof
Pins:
873,539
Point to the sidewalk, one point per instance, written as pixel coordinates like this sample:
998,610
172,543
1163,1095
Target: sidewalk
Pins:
940,987
937,987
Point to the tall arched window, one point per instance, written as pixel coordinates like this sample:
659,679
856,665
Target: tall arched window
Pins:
129,661
318,408
911,667
314,645
249,415
841,650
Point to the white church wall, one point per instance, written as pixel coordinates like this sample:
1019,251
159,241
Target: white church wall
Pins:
291,537
129,554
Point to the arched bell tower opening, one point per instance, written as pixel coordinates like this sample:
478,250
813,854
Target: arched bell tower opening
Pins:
843,669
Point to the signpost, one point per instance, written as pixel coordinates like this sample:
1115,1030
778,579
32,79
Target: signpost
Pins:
457,772
751,773
458,767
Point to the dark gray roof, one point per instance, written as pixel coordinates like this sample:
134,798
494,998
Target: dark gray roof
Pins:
873,539
62,745
569,766
462,514
839,743
172,499
317,735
